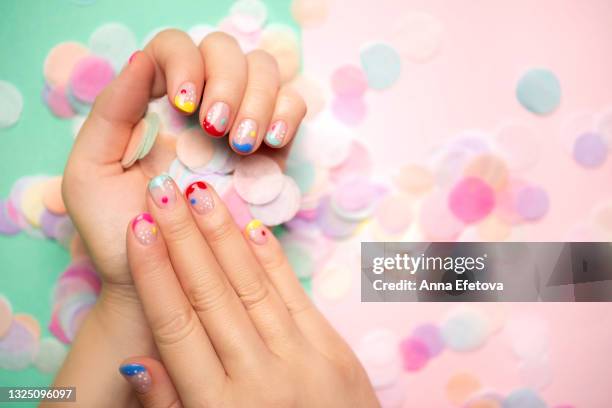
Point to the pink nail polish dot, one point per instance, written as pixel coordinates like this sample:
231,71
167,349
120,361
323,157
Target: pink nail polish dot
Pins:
183,91
164,200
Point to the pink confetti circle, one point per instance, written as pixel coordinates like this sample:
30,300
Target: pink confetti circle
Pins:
532,203
349,81
415,354
89,77
471,200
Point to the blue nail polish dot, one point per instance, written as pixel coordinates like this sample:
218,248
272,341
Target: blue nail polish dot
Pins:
192,201
132,369
243,148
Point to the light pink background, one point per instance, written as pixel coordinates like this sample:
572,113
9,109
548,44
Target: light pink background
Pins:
471,84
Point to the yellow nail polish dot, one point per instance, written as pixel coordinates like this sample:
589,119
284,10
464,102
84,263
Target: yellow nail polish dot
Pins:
154,230
252,133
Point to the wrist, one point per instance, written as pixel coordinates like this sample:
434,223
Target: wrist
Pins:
119,313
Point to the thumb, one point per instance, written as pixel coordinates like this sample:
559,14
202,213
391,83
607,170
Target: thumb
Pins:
106,132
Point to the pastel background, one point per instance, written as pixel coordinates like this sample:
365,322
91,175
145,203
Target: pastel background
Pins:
466,87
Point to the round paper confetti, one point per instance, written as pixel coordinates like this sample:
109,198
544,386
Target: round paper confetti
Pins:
281,41
282,208
114,42
574,125
532,203
89,77
414,179
489,168
6,315
309,13
590,150
539,91
311,90
465,329
11,104
17,347
429,335
60,62
349,81
258,179
194,148
248,15
58,102
471,200
524,398
461,386
51,355
8,226
378,351
418,36
382,65
415,354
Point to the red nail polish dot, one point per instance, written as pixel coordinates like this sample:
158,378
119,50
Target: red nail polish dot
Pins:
165,200
263,233
183,91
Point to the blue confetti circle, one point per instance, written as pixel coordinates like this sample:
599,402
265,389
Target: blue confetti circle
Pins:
539,91
381,64
523,398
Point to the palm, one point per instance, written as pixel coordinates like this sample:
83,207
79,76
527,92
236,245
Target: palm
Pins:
101,211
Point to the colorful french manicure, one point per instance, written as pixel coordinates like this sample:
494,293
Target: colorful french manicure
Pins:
138,376
217,119
246,136
257,232
162,191
144,229
185,98
276,134
199,197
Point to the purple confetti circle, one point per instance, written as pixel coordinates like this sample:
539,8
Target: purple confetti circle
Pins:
532,203
590,150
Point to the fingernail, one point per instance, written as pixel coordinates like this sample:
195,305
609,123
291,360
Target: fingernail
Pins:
133,56
138,376
144,229
162,191
217,119
246,136
276,134
199,197
257,232
185,98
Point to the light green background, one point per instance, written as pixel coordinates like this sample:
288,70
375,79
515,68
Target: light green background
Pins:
39,143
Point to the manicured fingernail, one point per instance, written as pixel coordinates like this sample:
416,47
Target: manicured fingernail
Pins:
217,119
276,134
185,98
138,376
257,232
162,191
246,136
199,197
144,229
133,56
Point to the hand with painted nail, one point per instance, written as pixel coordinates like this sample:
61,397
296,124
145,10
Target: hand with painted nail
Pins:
225,88
231,322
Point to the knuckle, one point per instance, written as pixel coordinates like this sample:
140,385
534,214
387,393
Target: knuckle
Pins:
179,230
218,38
298,306
174,326
207,295
253,293
219,228
263,57
164,34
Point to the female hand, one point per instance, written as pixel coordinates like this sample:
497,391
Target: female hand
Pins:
232,324
101,196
